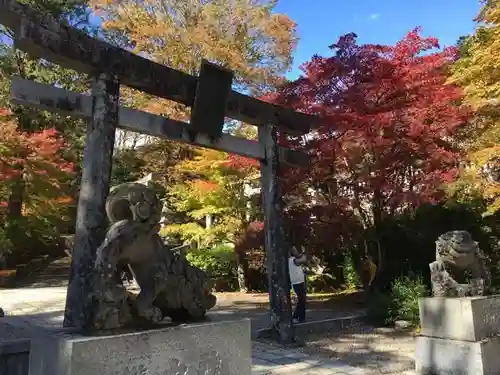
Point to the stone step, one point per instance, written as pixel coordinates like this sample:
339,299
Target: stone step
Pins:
315,326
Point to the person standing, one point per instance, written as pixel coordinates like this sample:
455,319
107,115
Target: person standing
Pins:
298,281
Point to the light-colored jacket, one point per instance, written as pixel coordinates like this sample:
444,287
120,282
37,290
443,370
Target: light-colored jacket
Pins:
296,272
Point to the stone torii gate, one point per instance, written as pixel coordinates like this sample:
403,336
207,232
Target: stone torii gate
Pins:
211,99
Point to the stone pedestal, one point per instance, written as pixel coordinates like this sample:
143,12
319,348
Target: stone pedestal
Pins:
459,336
222,348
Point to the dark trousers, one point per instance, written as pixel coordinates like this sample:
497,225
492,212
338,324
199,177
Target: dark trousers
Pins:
300,309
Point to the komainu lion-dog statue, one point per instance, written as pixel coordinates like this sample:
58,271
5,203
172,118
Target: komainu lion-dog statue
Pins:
169,285
456,254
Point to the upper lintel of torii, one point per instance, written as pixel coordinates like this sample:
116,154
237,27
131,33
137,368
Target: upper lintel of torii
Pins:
209,95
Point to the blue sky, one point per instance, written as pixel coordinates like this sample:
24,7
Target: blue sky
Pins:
321,22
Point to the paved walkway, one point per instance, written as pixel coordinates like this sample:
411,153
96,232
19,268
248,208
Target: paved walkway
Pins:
44,307
268,359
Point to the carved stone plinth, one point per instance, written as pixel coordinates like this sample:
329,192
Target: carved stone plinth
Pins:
459,336
222,348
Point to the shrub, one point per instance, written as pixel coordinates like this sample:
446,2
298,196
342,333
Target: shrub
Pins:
351,278
322,282
30,237
5,244
5,247
405,293
379,306
256,272
217,262
401,303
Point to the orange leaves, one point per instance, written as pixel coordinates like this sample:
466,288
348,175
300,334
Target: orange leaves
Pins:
30,154
251,238
204,186
241,162
64,200
4,112
245,36
33,161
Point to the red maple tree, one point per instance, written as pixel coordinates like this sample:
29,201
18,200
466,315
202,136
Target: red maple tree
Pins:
241,163
389,117
36,159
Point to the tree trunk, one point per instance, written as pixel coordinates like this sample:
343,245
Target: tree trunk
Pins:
14,232
16,198
242,271
18,188
378,217
208,221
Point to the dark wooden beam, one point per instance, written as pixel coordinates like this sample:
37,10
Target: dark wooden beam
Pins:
209,107
29,93
42,37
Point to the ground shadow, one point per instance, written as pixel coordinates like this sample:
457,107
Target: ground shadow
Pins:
53,274
350,300
30,325
380,350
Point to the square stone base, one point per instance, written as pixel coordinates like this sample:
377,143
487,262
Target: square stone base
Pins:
222,348
467,318
435,356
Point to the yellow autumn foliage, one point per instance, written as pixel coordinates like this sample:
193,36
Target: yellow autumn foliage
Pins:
245,36
478,69
478,72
